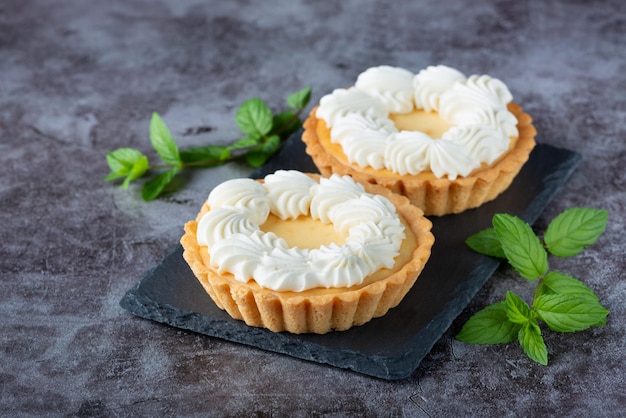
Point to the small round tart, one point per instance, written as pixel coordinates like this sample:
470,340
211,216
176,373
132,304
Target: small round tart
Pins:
447,142
301,253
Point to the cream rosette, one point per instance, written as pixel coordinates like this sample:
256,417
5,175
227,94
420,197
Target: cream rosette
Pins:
236,243
475,107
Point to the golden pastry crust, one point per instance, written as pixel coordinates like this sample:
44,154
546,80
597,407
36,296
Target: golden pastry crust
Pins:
317,310
435,196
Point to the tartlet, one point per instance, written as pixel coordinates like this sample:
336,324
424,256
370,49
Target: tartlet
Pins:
299,303
350,133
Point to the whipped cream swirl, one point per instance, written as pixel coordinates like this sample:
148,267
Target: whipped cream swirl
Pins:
475,107
231,230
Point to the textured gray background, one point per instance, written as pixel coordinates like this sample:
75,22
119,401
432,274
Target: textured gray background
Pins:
79,78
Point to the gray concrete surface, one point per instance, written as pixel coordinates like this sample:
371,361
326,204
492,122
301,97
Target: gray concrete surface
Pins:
78,79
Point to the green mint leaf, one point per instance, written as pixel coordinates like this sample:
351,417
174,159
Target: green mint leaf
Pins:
254,118
299,99
569,312
556,283
486,242
128,163
532,342
207,156
574,229
239,148
247,142
489,326
121,162
285,123
138,169
517,310
225,155
154,187
521,246
162,141
257,156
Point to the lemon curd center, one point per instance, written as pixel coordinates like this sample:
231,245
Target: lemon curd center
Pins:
428,122
303,232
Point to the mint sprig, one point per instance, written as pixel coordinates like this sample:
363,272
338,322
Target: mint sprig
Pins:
563,303
262,134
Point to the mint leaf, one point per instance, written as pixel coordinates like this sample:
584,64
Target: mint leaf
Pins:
569,312
489,326
532,342
254,118
153,188
126,162
137,170
257,156
207,156
574,229
240,145
517,310
521,246
300,98
162,141
486,242
244,143
121,162
562,284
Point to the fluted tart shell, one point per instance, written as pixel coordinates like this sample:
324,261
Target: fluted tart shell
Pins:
435,196
318,310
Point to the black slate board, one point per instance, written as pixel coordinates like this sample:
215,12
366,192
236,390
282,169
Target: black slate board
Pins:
390,347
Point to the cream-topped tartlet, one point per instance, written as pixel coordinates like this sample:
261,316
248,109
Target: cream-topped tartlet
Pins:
446,141
300,253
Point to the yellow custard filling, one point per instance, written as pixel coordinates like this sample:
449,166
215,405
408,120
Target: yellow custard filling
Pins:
303,232
418,120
